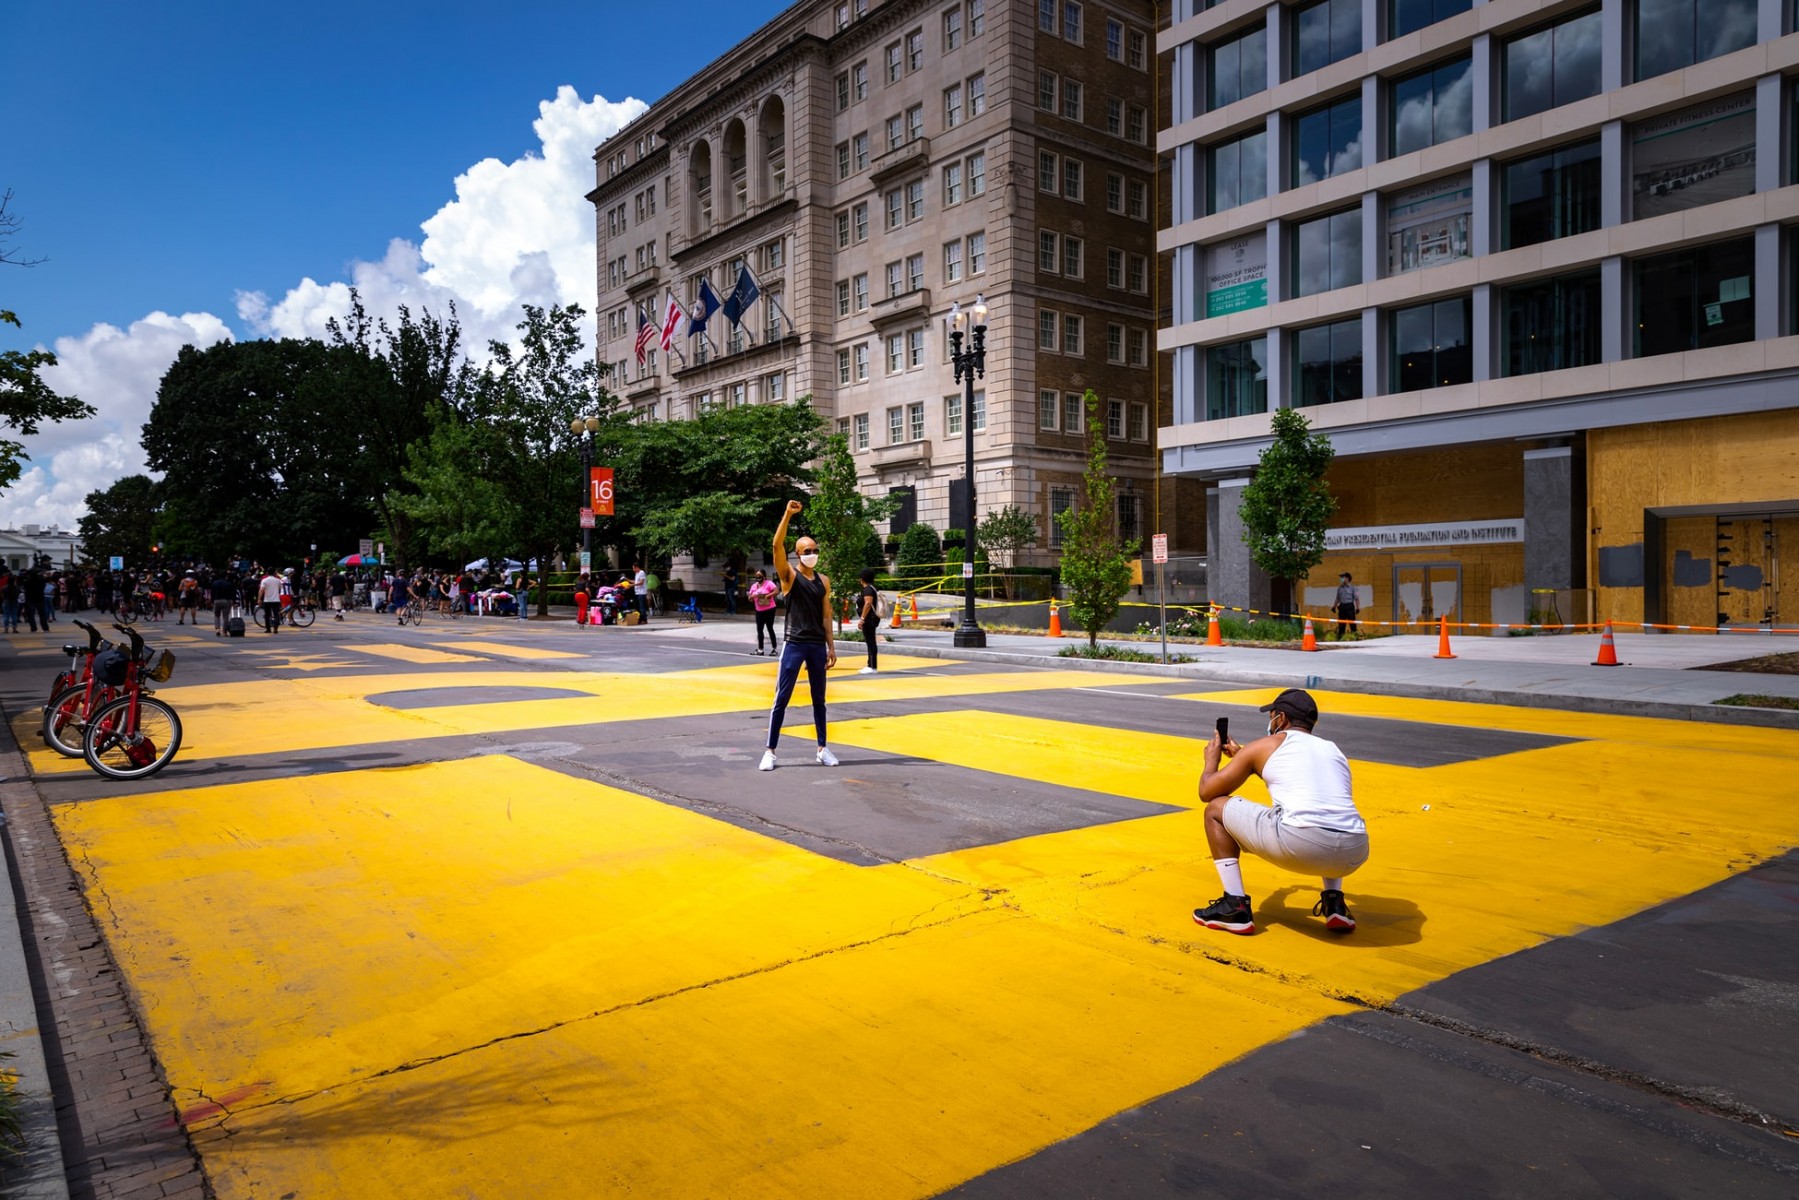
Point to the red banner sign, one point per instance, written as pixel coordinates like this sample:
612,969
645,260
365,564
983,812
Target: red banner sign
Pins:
599,491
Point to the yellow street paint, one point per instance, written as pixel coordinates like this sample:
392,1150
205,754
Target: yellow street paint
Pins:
510,651
413,654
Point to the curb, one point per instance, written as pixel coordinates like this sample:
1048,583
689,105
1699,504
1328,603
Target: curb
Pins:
1772,718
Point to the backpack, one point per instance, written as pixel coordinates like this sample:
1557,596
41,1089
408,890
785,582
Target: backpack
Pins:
880,608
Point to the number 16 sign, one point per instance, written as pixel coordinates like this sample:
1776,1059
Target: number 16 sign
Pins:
599,491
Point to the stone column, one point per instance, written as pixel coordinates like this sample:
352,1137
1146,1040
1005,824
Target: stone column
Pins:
1549,518
1231,577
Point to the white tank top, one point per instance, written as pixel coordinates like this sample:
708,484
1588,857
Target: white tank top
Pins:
1308,779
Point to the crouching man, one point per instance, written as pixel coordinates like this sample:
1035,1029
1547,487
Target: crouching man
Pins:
1312,827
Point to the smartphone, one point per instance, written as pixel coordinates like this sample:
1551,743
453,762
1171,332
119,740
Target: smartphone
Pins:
1224,730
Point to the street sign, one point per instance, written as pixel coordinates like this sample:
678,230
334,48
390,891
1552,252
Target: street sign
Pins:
586,560
118,562
587,518
381,553
1159,548
366,548
599,491
968,570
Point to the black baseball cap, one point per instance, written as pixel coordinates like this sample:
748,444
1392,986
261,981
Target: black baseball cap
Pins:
1296,704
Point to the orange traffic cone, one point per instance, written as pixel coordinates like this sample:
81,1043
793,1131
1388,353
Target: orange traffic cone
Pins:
915,608
1443,638
1214,635
1055,620
899,607
1608,649
1310,640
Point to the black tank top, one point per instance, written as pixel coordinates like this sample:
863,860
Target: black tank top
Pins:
806,610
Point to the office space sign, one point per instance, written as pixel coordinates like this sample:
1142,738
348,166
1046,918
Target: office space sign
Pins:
1443,533
1237,275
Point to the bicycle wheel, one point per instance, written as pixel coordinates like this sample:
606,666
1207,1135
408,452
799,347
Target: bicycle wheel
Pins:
303,615
63,722
127,615
121,753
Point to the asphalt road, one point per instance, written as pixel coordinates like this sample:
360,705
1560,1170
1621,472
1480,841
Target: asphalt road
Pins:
496,909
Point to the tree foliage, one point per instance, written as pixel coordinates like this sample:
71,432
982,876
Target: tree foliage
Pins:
839,518
1287,506
122,520
920,552
1096,565
1007,531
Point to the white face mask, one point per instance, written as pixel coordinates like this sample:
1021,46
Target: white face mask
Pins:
808,560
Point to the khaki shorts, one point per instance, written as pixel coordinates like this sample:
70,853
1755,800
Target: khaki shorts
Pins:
1303,849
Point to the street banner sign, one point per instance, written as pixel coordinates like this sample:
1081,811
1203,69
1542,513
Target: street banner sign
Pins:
599,491
1159,548
366,548
587,518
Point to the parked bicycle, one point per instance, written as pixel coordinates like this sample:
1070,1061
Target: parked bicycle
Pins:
69,711
299,613
80,661
134,735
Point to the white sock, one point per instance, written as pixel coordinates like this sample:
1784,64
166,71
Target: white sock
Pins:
1230,875
1333,885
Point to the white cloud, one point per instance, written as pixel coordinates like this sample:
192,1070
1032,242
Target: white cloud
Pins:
516,232
117,371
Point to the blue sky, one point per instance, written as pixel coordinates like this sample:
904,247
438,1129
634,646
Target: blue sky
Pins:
202,161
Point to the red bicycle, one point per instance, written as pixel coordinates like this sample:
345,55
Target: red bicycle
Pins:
135,735
78,696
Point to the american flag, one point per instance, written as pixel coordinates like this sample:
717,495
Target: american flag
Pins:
646,333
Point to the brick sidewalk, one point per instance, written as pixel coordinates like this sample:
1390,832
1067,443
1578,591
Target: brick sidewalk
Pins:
121,1137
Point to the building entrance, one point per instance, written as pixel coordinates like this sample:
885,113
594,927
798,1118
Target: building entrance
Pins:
1425,592
1723,569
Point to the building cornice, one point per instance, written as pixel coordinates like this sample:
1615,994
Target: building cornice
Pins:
749,229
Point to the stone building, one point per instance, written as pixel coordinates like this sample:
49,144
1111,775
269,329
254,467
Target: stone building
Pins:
872,164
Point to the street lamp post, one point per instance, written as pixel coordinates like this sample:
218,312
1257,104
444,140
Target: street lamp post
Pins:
584,428
969,363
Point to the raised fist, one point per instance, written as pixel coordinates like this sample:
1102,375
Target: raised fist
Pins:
794,508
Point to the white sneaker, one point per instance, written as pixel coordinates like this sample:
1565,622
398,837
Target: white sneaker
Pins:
825,757
768,761
866,671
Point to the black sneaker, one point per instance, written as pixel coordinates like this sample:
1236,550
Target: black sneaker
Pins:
1336,916
1229,913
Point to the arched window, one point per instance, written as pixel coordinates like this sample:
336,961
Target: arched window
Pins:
699,189
772,142
737,176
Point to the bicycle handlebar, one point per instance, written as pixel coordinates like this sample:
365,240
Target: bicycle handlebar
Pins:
95,639
137,639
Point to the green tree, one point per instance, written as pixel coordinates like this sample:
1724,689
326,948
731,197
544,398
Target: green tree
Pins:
709,486
1096,565
1005,532
122,520
920,557
1288,506
839,517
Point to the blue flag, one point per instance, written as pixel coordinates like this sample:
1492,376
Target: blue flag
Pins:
704,308
741,297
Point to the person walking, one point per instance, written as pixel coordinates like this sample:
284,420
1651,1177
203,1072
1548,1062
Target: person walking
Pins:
1348,606
187,596
762,603
730,582
640,588
9,604
809,640
338,586
223,590
869,620
268,594
1312,828
399,596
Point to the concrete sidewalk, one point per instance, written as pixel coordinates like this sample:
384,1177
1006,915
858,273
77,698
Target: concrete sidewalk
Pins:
1662,675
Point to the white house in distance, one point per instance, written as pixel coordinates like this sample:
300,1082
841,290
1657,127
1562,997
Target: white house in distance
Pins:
19,547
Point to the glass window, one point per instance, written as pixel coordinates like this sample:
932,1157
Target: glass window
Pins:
977,95
1048,259
1327,141
977,17
860,285
977,174
1114,268
952,184
952,262
1071,178
1433,106
1551,67
1327,364
1137,347
1550,196
1327,253
1060,501
843,297
859,81
914,272
895,208
861,431
843,366
952,106
1114,40
1046,15
860,214
1239,171
1137,199
1048,178
1114,116
861,362
1139,422
915,122
1114,343
896,426
977,253
1071,100
977,412
843,230
1073,260
1071,21
915,348
1135,43
1114,193
1137,275
1046,91
1115,419
1237,379
1325,32
1047,403
915,50
1239,67
952,28
1431,345
1071,334
915,200
860,144
952,416
1551,324
1693,299
1407,16
1049,324
1678,33
843,92
896,354
1696,156
1136,124
896,280
915,420
893,63
843,160
1074,413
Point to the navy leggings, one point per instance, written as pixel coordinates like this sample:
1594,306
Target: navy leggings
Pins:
794,655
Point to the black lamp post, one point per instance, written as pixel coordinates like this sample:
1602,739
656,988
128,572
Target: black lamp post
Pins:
584,428
969,363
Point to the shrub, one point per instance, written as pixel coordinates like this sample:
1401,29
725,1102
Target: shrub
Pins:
919,548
